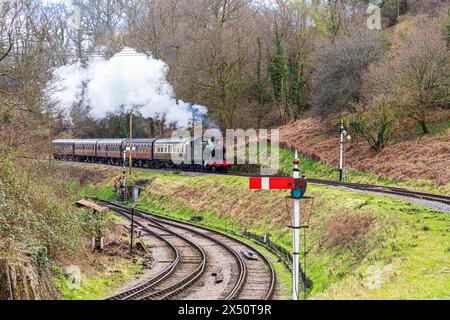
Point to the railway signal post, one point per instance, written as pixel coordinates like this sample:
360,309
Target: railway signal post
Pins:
297,185
344,135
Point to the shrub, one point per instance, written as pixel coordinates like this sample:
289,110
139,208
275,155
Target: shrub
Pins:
376,124
35,217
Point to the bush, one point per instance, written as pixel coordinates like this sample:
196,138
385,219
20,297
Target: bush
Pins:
377,124
35,219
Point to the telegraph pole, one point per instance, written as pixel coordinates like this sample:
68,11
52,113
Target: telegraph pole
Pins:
131,140
296,235
123,183
132,229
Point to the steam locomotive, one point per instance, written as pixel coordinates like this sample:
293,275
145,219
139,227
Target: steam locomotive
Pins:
178,153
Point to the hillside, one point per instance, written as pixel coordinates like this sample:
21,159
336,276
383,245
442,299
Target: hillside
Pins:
411,157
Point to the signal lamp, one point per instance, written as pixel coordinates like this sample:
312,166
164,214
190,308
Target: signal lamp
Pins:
299,189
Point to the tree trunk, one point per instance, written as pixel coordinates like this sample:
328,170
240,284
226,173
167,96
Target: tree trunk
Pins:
423,125
151,128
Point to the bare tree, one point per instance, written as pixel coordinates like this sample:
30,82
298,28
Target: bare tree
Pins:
338,79
417,77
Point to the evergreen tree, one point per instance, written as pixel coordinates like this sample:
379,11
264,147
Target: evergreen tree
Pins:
279,71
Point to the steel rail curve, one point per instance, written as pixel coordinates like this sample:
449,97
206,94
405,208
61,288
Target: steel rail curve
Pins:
171,291
130,293
146,291
234,294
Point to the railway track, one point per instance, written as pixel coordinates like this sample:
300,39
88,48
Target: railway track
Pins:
188,264
387,190
443,199
247,279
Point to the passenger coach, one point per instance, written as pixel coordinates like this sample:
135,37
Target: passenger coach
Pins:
152,153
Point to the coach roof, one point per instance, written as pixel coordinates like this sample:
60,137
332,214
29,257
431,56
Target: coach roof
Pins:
173,140
85,141
63,141
141,140
108,141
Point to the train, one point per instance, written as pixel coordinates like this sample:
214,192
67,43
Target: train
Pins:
174,153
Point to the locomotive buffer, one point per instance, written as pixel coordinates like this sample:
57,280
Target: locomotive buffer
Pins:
297,186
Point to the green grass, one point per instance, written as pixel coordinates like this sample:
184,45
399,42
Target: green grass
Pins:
410,243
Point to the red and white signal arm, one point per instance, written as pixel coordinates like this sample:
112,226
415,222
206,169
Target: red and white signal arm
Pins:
270,183
296,185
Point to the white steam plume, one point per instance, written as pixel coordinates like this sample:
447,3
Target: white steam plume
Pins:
128,79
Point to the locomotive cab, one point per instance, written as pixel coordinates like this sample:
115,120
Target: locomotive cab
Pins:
214,157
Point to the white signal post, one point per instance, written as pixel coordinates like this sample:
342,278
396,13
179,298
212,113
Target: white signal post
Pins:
297,186
296,236
344,135
341,154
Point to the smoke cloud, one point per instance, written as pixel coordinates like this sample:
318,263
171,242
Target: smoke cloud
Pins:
129,80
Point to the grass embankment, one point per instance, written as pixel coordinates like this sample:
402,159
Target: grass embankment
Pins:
359,246
101,275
